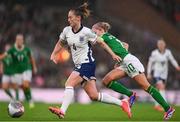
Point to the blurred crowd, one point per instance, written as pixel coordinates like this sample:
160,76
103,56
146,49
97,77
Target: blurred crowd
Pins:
41,26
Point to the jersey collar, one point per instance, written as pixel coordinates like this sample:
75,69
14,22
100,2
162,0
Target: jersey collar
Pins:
78,30
161,52
18,48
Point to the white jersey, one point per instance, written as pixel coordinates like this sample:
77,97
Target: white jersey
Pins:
79,43
158,63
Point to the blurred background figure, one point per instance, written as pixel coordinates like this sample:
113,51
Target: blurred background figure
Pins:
19,65
8,72
158,64
24,65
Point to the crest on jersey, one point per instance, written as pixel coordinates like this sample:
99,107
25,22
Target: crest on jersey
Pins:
81,38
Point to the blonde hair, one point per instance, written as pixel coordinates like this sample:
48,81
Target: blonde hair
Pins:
82,11
104,25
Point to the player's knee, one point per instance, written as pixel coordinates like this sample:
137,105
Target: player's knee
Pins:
160,86
145,86
14,86
5,87
25,85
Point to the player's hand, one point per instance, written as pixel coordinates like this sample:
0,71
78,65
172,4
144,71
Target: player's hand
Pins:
178,68
116,65
116,58
53,58
149,77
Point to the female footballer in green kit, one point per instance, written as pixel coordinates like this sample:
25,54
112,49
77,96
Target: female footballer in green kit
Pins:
130,66
23,65
8,72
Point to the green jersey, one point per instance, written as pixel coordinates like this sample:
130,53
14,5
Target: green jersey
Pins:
21,59
115,44
8,65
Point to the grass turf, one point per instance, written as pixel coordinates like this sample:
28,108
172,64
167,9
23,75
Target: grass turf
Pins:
91,112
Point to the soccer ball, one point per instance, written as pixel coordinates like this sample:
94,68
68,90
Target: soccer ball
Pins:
15,109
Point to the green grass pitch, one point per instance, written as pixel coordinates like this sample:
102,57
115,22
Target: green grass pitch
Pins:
90,112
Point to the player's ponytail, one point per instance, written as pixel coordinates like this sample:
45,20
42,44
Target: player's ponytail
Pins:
82,11
103,25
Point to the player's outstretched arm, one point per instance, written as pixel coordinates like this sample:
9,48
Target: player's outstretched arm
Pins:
57,48
173,61
108,49
34,66
1,67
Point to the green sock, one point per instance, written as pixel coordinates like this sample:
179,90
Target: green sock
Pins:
114,85
27,94
17,94
157,96
8,93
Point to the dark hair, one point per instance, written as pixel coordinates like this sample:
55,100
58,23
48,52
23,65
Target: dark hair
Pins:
82,11
104,25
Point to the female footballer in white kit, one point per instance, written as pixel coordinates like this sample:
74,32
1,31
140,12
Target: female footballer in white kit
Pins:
158,64
79,39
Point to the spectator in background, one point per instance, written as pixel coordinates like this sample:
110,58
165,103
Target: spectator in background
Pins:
158,64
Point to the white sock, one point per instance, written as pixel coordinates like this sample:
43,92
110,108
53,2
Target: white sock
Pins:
105,98
68,97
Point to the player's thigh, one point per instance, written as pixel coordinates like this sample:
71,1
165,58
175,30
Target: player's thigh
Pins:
74,79
6,81
17,79
27,75
142,81
14,85
25,84
113,75
5,85
26,78
91,89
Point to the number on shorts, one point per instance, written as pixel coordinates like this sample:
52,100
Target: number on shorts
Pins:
131,68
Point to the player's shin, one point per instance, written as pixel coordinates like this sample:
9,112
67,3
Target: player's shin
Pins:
17,94
27,93
157,96
68,98
8,92
118,87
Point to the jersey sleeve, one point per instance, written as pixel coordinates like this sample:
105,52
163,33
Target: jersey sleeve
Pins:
62,36
172,59
9,52
104,37
91,36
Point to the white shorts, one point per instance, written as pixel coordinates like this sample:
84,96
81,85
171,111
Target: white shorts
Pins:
25,76
131,65
6,78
